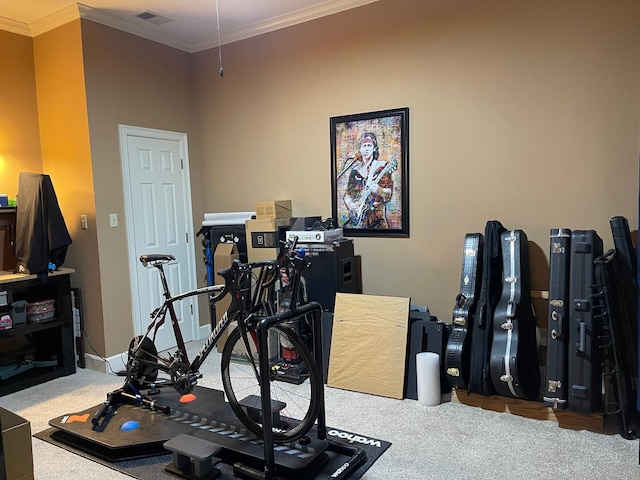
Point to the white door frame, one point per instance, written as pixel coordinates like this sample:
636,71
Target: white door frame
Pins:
140,324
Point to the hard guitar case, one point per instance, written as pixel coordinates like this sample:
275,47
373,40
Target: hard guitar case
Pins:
458,354
515,371
584,359
491,288
555,394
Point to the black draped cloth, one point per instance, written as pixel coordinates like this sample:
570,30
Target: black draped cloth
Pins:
41,233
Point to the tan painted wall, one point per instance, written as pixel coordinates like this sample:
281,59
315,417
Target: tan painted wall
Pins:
19,135
64,133
525,112
131,81
519,111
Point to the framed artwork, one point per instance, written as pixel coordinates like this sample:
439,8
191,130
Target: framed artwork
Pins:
370,173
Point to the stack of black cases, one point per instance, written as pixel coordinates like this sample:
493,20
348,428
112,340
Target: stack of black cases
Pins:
426,334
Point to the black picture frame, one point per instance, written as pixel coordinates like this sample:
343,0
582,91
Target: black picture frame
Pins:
356,207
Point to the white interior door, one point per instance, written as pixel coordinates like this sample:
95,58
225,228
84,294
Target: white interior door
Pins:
158,218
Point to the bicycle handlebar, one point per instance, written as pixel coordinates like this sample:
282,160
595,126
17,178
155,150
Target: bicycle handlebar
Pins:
237,269
218,297
289,256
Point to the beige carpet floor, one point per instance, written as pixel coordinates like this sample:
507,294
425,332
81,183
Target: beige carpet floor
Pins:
448,441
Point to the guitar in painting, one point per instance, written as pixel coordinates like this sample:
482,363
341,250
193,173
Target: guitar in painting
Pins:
358,214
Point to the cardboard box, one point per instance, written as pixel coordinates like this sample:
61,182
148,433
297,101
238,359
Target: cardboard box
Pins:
316,236
271,209
16,440
264,238
224,254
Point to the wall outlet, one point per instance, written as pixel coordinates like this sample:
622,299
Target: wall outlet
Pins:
113,219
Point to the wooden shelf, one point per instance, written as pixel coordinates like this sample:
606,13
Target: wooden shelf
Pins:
594,422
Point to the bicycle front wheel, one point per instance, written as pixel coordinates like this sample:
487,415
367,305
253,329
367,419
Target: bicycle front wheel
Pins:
295,383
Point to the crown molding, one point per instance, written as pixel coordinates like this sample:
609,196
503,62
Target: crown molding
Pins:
42,25
12,26
55,20
141,30
300,16
79,10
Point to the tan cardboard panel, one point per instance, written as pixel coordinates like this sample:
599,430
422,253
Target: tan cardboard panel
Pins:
369,344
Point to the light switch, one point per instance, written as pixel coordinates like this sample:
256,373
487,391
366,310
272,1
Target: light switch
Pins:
113,219
83,222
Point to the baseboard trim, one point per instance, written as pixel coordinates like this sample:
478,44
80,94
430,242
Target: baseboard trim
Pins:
113,364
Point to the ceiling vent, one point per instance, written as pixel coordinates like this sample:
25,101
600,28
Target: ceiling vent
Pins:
154,18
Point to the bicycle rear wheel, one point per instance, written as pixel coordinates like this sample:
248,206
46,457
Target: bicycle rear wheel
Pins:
139,369
294,378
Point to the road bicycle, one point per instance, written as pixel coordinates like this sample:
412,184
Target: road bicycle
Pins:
258,290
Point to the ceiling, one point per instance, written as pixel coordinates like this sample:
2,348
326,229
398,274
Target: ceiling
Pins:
190,25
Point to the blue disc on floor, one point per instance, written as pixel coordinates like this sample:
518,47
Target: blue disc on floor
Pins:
130,425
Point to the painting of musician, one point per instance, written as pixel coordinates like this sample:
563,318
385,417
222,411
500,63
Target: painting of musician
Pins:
370,167
369,187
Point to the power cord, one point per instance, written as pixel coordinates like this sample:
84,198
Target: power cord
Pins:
86,337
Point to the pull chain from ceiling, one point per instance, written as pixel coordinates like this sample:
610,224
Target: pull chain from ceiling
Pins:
221,71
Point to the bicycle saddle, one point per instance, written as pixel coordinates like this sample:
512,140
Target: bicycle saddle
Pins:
156,257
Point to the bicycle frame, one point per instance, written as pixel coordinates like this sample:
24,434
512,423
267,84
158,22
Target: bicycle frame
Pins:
249,371
237,311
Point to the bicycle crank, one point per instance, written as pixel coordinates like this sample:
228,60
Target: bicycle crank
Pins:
182,378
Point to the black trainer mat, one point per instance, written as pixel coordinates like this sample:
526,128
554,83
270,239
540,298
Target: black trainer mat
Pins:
139,451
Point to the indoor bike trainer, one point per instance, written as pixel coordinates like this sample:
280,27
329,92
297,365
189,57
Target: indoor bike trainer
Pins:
204,435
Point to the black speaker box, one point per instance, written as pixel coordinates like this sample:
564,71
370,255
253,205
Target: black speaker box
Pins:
333,269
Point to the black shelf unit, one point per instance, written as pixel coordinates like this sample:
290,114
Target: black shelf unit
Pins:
49,340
